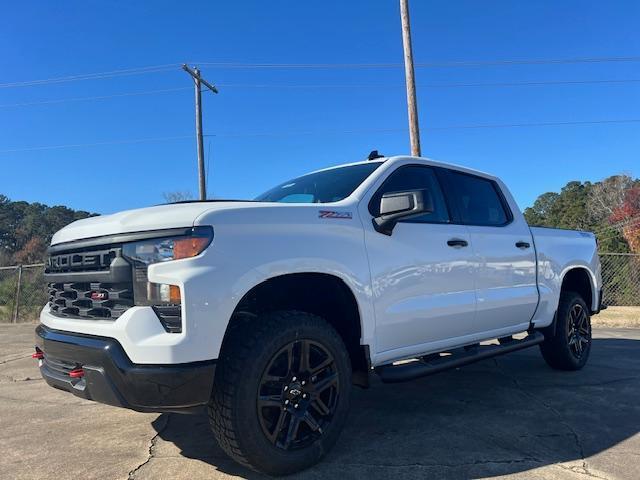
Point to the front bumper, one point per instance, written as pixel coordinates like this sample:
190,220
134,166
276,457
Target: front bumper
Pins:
110,377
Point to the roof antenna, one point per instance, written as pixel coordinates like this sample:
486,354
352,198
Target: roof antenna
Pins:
374,154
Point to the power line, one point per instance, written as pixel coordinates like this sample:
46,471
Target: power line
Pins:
428,85
97,144
537,124
447,127
320,86
287,133
535,83
322,132
99,97
233,65
462,63
93,76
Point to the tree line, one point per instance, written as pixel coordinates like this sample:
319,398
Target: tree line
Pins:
610,208
26,229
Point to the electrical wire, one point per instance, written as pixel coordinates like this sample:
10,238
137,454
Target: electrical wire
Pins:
99,97
93,76
429,85
319,132
172,66
319,86
96,144
463,63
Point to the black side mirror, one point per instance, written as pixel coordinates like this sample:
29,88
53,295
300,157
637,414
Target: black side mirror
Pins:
400,205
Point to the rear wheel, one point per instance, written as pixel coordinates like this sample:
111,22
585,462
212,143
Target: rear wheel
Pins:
281,392
569,347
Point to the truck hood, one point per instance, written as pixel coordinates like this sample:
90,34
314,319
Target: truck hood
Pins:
140,220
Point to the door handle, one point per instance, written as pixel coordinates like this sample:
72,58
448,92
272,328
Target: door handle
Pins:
523,245
457,242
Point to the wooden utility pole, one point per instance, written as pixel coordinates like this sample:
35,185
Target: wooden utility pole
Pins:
414,130
199,81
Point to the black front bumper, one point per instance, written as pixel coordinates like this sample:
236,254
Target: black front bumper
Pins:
111,378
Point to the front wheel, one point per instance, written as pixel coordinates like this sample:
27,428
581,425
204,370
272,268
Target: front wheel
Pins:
569,347
281,392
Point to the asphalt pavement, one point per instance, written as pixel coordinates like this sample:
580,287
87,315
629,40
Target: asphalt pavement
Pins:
510,417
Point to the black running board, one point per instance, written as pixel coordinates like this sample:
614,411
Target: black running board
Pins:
457,358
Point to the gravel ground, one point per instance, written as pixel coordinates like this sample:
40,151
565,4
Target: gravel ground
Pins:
618,317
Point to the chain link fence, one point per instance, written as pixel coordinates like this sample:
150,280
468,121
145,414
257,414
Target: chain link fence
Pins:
23,293
23,290
621,278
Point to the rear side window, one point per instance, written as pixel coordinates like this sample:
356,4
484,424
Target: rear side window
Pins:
478,199
414,177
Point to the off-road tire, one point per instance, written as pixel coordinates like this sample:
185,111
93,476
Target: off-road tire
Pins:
249,348
559,349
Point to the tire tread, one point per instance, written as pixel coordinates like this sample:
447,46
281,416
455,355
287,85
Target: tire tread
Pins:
554,349
245,335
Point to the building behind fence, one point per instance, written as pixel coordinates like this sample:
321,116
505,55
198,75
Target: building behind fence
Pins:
23,291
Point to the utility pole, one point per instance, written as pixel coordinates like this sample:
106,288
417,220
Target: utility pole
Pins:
199,81
414,130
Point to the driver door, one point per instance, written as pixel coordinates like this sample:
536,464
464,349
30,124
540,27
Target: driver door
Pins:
422,274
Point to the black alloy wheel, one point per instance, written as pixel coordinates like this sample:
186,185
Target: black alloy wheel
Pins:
579,332
281,390
567,343
298,394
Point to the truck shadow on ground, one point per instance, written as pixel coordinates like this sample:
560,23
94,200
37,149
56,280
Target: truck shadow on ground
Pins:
500,416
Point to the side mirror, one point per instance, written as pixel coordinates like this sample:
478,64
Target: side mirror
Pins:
397,206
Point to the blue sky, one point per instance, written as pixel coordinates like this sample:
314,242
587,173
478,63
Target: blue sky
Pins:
257,132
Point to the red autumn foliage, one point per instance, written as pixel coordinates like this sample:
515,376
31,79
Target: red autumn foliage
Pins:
32,252
628,214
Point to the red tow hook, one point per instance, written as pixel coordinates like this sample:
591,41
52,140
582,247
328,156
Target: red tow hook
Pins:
76,373
38,355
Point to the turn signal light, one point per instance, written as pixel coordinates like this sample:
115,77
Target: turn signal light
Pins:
189,247
174,294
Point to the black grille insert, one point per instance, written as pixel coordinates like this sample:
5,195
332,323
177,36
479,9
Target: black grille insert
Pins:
90,299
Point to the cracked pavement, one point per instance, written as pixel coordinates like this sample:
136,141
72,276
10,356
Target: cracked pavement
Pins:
509,417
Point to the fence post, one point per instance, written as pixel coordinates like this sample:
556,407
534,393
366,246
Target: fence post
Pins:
16,308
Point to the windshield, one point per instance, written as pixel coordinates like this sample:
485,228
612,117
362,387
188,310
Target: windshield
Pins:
321,187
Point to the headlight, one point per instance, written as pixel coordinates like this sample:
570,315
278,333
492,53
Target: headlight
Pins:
156,250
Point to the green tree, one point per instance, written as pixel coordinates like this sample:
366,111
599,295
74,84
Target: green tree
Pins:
26,228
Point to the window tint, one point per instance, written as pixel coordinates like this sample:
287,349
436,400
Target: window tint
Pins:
413,177
478,200
325,186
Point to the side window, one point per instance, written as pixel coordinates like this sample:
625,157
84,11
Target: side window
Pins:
414,177
478,200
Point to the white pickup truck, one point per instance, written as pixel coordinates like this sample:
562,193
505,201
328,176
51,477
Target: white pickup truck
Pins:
268,311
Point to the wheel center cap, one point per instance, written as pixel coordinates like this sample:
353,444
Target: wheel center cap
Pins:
295,390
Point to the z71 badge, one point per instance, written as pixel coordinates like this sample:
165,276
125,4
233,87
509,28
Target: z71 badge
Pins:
334,214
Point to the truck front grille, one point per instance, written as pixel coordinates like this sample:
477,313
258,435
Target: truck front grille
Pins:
90,299
91,283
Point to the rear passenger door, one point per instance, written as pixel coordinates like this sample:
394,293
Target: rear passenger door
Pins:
504,255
